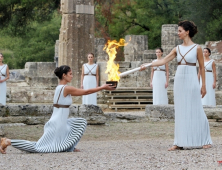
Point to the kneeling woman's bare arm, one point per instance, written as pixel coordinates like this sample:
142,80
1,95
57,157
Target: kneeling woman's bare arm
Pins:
79,92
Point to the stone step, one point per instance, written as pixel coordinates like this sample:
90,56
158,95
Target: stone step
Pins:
128,106
130,100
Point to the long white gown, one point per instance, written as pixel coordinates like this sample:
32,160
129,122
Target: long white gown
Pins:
89,81
191,124
60,132
209,98
159,90
3,87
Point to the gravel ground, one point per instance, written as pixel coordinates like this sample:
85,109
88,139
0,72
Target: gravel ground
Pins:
116,147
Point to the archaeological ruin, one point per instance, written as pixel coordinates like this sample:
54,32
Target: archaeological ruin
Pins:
32,88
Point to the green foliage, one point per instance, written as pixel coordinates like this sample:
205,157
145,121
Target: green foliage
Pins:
18,14
36,45
139,18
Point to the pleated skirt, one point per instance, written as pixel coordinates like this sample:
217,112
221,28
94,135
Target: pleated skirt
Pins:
209,98
60,134
88,83
191,124
159,90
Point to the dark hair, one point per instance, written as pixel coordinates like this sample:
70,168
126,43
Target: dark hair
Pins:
208,50
159,48
91,54
189,26
1,54
59,71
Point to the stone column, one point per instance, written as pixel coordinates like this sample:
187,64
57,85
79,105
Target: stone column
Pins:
169,37
76,37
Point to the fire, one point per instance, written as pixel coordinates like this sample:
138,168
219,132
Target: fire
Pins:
112,68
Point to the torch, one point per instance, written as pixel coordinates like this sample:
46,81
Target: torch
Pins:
133,70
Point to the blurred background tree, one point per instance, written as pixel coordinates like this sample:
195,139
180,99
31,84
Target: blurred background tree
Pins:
29,28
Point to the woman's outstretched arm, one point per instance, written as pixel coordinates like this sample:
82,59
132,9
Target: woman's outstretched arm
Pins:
163,61
79,92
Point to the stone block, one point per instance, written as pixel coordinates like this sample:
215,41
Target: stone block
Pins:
102,75
218,95
17,74
19,96
30,69
160,113
2,132
46,69
67,6
85,9
41,96
50,82
93,114
149,55
137,44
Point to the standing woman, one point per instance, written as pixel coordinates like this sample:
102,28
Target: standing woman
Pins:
159,81
90,79
191,124
210,74
4,75
61,133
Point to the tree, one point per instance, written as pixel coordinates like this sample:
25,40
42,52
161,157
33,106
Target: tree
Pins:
16,15
121,17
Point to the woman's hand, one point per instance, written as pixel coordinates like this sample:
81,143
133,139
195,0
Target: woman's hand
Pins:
166,85
142,67
151,84
1,81
203,91
214,85
108,87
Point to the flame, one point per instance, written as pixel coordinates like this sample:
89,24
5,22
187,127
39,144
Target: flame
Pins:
112,68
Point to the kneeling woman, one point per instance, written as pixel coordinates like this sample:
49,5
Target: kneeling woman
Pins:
159,81
61,134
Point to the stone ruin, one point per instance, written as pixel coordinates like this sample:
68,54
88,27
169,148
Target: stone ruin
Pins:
30,91
37,82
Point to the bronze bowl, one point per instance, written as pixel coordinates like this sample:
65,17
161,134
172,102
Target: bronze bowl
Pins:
113,83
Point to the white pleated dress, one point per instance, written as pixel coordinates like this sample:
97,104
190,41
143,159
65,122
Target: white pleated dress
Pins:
191,124
159,90
209,98
89,81
61,133
3,87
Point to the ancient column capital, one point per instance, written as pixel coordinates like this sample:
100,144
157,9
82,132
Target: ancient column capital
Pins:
77,6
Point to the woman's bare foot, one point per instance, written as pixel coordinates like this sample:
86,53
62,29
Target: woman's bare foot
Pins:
3,145
206,146
76,150
174,147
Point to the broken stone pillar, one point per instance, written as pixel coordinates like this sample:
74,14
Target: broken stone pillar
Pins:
169,37
137,44
100,54
76,37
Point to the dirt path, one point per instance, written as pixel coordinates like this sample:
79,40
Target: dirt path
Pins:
117,146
